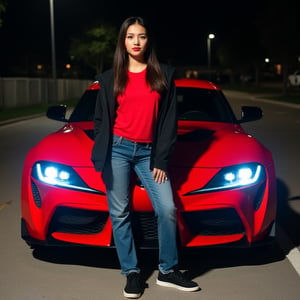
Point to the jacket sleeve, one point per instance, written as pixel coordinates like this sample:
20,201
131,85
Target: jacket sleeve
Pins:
101,127
166,130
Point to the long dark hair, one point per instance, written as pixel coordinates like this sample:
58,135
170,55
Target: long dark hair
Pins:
154,75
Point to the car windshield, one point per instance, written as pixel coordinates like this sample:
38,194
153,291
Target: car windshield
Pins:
194,104
84,110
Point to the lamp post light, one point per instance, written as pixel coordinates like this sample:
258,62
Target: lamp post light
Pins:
54,86
209,38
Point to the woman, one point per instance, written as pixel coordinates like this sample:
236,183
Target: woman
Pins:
136,128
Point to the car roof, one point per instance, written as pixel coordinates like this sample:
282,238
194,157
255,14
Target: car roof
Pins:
93,86
182,82
195,83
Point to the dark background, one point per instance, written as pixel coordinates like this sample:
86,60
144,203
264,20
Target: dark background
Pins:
181,28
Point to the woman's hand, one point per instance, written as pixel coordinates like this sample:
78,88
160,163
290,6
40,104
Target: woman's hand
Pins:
159,176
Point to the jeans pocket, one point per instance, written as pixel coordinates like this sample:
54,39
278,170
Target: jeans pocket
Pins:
117,140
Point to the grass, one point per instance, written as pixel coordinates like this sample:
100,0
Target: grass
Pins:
12,113
266,91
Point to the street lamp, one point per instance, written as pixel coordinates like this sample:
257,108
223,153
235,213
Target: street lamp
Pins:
54,94
209,38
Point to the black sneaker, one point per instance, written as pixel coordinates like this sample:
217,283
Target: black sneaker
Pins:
133,288
177,280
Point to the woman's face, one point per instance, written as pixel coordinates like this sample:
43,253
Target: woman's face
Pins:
136,41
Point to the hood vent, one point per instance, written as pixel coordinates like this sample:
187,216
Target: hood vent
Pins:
196,135
192,136
90,133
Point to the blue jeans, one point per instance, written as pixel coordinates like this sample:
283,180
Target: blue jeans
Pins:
116,174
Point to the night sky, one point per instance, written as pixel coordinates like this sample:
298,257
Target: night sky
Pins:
181,30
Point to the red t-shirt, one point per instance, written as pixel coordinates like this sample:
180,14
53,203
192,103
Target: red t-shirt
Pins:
137,110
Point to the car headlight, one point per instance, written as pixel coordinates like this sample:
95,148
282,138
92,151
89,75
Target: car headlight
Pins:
60,175
234,177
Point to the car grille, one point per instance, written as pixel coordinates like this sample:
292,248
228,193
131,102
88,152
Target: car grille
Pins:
144,224
78,221
214,222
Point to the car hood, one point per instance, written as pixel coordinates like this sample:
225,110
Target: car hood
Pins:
215,145
199,144
71,145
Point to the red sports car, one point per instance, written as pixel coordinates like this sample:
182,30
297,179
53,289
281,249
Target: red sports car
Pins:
223,179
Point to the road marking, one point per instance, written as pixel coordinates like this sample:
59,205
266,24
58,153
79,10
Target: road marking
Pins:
4,205
293,253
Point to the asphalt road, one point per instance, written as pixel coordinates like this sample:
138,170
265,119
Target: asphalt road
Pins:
93,273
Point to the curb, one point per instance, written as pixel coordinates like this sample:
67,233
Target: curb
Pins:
19,119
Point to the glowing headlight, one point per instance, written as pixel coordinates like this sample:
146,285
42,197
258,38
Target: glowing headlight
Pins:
54,174
60,175
234,177
242,176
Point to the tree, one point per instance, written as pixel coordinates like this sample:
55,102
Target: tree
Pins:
278,27
2,10
239,49
95,47
241,60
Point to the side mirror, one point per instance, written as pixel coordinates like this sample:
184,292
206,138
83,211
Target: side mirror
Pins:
250,113
57,113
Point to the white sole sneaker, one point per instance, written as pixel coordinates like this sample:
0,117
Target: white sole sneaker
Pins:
178,287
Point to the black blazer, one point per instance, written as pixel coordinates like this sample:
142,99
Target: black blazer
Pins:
166,128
